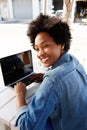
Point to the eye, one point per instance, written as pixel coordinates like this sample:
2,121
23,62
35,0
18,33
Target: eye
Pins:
36,49
46,45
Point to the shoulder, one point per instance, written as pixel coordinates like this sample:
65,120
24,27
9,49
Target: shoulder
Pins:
64,69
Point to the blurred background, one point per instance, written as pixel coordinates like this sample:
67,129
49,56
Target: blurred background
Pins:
15,16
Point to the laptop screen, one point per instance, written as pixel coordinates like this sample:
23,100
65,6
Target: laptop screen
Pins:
16,67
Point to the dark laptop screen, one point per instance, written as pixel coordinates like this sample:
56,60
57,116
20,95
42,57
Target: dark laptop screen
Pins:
16,66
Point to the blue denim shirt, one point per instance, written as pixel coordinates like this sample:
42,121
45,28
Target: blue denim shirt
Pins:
62,96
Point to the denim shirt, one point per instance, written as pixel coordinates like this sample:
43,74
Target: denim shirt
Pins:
62,96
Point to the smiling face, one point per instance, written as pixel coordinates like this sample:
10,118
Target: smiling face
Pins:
47,50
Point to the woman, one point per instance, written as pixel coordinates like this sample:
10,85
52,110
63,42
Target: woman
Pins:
61,99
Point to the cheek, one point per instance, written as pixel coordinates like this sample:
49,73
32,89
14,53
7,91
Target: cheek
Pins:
56,52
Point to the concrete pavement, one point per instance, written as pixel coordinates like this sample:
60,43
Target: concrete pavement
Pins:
79,43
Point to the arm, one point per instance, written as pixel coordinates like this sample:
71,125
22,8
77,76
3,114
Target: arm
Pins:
20,91
38,111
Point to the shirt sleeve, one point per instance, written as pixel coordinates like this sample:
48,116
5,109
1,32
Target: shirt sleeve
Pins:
35,115
20,112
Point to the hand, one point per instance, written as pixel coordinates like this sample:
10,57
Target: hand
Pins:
20,88
38,77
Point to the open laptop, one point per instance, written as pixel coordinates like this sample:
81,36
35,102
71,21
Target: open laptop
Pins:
17,67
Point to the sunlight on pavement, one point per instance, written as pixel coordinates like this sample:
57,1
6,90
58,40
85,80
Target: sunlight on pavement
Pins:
13,39
79,43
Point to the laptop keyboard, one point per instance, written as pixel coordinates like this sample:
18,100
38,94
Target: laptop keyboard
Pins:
26,81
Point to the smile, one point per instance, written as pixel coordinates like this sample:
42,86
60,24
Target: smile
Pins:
45,59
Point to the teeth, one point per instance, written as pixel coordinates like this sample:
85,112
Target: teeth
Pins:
44,60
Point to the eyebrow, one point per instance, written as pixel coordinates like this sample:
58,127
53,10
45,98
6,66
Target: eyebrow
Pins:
43,42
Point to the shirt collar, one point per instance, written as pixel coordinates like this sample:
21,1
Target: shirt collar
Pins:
64,58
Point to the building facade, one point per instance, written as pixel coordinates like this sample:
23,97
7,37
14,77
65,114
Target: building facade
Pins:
29,9
22,9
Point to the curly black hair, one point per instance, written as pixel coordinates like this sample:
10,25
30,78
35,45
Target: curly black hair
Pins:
55,27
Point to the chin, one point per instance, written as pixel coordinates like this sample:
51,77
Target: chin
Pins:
47,65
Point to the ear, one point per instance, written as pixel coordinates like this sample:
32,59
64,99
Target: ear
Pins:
63,47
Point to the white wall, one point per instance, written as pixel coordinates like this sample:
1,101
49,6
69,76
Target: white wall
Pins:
10,9
22,9
35,8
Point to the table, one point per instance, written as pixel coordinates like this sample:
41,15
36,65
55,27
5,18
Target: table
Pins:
8,105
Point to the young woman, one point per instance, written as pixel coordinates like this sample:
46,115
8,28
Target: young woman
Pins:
60,103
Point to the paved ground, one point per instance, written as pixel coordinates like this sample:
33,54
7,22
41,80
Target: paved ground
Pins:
79,43
13,39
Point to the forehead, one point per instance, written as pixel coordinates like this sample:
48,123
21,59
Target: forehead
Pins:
42,38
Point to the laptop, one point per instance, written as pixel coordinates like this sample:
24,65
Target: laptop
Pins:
17,67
